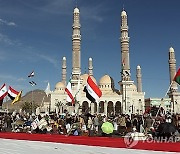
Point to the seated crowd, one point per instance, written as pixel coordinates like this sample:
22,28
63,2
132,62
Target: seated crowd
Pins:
84,124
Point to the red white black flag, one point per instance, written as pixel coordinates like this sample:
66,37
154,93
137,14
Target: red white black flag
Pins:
31,74
93,93
68,90
12,93
3,93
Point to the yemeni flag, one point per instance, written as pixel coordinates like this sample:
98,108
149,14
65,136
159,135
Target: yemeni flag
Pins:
93,93
12,93
32,83
3,93
31,74
177,77
68,90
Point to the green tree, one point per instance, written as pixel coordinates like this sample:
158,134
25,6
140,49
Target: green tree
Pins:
29,107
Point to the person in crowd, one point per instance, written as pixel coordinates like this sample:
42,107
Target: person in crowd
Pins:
90,126
68,122
96,123
128,124
122,124
115,121
148,123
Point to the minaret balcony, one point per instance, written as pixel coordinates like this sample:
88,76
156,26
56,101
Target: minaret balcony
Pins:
124,29
124,39
76,25
76,37
172,61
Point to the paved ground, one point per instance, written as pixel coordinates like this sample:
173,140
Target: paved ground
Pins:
8,146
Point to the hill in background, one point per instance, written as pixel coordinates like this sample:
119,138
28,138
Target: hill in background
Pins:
38,97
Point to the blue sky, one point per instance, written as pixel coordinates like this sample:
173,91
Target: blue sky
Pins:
36,34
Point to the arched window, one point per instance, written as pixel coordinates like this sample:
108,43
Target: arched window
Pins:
85,107
101,107
110,109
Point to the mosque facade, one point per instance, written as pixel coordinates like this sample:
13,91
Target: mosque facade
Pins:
128,99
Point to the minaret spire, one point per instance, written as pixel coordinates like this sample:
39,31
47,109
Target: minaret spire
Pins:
76,45
172,68
64,72
123,7
90,67
139,79
76,3
125,72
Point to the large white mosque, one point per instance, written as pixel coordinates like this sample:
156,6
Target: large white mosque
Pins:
129,98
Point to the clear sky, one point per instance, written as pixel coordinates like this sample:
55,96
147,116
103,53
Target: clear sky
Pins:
36,34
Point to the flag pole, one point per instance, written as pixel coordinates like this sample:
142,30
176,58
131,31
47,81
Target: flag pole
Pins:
7,104
168,88
161,102
32,103
76,95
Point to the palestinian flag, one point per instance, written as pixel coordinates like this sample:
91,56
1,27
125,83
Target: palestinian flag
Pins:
68,90
177,77
12,93
3,93
93,93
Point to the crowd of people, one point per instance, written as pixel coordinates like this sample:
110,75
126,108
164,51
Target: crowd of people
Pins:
86,124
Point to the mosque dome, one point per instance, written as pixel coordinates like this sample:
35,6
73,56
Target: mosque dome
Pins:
106,83
133,87
76,10
84,78
123,13
106,79
60,87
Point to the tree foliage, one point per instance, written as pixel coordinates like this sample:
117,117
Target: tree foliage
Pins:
29,106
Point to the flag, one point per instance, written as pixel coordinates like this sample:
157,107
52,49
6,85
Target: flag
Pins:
3,92
31,74
32,83
93,93
12,93
68,90
18,97
177,77
78,88
48,89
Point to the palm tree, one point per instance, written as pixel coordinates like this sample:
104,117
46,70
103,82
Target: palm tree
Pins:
58,105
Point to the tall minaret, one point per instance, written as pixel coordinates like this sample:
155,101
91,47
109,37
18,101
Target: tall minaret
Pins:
125,72
172,68
90,67
64,70
139,79
76,45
